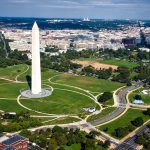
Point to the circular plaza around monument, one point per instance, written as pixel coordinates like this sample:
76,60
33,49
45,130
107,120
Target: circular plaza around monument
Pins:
42,94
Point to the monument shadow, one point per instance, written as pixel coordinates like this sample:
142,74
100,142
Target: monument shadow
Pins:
29,80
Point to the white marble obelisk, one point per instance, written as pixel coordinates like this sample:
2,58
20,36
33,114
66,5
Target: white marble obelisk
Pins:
36,67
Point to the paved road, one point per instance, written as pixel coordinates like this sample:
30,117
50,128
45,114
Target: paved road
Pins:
121,98
130,144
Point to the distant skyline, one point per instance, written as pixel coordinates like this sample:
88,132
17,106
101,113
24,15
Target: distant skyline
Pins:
94,9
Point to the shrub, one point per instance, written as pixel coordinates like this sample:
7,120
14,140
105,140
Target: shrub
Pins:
137,121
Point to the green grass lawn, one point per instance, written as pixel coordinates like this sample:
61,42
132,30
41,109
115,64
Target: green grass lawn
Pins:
88,59
133,74
145,98
87,83
11,90
12,71
60,102
120,63
73,147
124,121
4,82
8,105
62,121
109,102
42,119
102,114
45,74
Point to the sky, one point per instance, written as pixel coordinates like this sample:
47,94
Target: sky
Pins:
99,9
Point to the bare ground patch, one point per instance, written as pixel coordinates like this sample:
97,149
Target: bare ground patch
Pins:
94,64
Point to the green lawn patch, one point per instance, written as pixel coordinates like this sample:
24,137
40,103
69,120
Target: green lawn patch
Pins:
10,106
12,71
124,120
87,59
87,83
62,121
102,114
73,147
120,63
4,82
45,74
60,102
12,90
145,98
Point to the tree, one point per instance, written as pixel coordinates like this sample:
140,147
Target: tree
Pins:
90,144
130,127
140,140
106,144
25,133
147,112
52,145
42,141
137,121
93,134
147,145
1,128
120,132
138,97
105,96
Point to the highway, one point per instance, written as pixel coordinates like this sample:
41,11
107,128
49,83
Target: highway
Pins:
130,144
122,103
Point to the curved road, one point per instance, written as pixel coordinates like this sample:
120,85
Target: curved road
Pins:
122,103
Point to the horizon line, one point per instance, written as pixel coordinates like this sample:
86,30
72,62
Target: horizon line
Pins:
74,18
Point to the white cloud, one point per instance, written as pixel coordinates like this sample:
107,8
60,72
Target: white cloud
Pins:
20,1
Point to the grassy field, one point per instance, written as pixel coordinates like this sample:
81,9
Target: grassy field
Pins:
45,74
62,121
88,83
73,147
124,121
4,82
9,105
11,90
12,72
88,59
145,98
60,102
120,63
102,114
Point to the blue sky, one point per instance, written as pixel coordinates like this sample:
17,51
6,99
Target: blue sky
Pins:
101,9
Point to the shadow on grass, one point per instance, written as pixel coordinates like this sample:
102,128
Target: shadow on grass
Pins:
28,78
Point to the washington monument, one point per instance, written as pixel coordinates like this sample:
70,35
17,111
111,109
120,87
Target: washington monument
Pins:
36,90
36,67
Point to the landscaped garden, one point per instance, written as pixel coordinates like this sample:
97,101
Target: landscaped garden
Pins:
70,95
138,93
124,123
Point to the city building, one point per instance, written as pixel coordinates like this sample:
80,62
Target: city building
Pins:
129,41
15,142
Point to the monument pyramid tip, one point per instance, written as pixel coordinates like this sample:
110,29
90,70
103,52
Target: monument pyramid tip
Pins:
35,26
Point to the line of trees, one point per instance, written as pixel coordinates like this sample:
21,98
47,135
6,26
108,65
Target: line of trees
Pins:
20,121
57,138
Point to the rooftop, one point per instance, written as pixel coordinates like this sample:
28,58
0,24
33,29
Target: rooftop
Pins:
12,139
